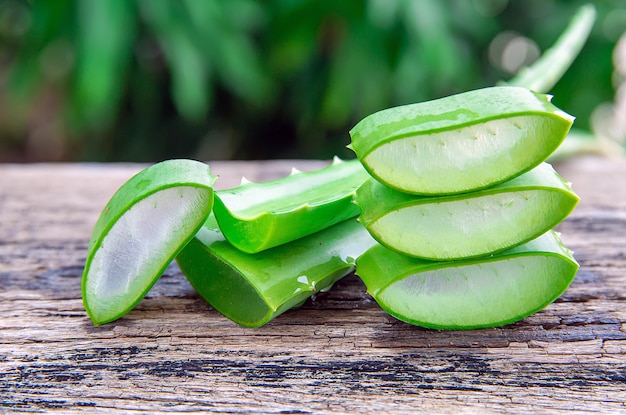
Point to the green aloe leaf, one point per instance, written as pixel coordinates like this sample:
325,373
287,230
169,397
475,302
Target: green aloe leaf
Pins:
105,37
252,289
548,70
140,231
443,146
190,71
258,216
469,294
470,224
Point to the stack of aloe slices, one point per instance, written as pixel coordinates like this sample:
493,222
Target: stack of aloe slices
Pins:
463,223
462,201
463,205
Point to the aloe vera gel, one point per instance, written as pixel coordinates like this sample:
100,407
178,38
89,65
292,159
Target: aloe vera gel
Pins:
140,231
472,293
469,225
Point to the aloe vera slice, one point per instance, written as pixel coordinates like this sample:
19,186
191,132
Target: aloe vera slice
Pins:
444,146
469,294
251,289
140,231
469,224
258,216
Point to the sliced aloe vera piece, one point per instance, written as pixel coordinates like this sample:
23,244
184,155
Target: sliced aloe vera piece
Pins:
469,294
258,216
469,224
140,231
251,289
460,143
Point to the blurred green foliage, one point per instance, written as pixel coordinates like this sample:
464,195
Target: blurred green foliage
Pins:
146,80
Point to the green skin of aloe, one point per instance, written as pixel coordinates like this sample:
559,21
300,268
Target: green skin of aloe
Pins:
252,289
257,216
140,231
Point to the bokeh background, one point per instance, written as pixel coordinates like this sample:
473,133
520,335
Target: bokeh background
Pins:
147,80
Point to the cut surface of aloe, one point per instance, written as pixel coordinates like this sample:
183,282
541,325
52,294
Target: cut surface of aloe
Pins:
258,216
469,224
460,143
140,231
469,294
251,289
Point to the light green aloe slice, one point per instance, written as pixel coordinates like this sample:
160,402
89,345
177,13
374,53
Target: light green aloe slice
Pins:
258,216
469,294
460,143
251,289
140,231
469,224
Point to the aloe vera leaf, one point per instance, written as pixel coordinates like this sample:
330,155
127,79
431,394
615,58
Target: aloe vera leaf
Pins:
542,75
140,231
443,146
258,216
579,142
470,224
472,293
251,289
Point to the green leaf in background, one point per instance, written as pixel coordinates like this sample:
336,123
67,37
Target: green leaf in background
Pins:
553,64
47,23
149,80
190,71
106,30
220,36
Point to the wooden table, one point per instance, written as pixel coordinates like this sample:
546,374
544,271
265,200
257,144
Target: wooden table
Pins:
339,353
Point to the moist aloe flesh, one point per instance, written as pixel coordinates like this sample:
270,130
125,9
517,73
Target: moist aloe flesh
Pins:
469,294
443,146
470,224
140,231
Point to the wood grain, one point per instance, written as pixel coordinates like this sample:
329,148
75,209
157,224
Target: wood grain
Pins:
339,353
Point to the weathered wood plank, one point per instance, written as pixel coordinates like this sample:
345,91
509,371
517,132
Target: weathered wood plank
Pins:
338,353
